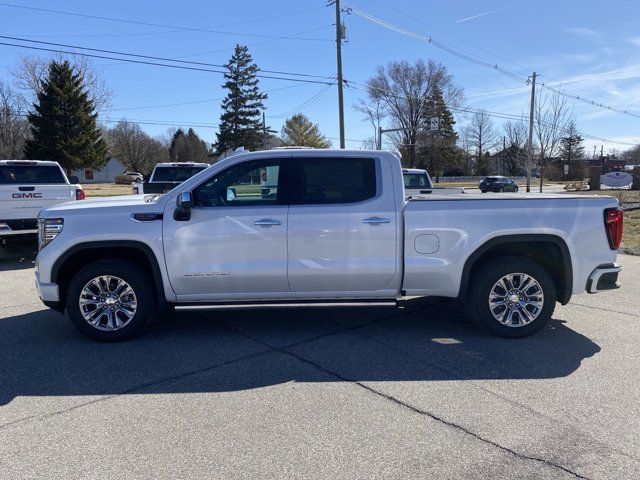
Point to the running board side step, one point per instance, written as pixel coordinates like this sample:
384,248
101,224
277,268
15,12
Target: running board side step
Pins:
288,304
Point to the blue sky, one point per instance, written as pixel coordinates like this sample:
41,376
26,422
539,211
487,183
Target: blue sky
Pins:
592,47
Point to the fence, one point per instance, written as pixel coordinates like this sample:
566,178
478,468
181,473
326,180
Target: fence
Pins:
471,178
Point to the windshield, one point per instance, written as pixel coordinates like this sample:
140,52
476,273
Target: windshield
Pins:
417,180
175,174
30,174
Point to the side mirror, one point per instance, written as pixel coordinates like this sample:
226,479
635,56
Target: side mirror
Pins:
184,202
73,179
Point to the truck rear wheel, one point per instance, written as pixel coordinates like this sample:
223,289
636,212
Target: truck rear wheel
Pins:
512,296
111,300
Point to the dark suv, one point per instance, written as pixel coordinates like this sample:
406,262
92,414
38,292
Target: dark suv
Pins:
497,184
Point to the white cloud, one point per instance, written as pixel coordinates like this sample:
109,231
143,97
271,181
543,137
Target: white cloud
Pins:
635,41
584,32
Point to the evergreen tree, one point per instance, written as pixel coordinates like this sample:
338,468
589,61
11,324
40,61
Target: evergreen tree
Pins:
240,122
63,123
188,147
437,148
300,131
571,151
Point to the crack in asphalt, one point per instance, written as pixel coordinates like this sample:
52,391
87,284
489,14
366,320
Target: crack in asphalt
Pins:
182,375
605,309
285,350
103,398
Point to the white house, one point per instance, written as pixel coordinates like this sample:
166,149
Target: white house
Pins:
106,174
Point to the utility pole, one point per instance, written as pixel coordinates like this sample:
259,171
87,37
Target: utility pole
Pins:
264,131
533,103
339,60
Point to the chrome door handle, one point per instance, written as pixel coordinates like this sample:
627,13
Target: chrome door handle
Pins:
267,221
376,220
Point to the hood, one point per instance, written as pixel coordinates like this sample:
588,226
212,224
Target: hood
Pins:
144,202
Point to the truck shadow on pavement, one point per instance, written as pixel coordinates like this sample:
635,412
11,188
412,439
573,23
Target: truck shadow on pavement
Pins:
43,354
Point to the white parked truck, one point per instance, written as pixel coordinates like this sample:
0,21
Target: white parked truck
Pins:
417,182
338,229
166,176
26,187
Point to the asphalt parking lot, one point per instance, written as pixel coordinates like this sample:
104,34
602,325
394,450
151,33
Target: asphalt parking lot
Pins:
329,393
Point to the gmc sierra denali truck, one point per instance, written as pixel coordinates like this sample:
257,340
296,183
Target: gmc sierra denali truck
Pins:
166,176
333,227
27,186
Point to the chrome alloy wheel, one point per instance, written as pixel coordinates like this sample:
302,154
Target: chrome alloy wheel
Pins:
107,303
516,300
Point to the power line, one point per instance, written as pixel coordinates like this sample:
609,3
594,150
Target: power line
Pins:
502,115
145,107
432,41
303,105
160,25
151,57
141,62
429,39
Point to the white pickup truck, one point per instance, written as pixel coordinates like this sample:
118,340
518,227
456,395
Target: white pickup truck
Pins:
417,182
337,229
166,176
26,187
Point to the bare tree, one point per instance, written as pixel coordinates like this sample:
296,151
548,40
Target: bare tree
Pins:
551,118
138,151
14,128
374,112
484,137
30,72
403,91
516,155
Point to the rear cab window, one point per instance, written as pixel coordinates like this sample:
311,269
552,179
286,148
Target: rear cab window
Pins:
416,180
335,180
31,175
175,174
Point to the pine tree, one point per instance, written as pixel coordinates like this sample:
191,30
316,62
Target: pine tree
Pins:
188,147
437,148
63,123
300,131
240,122
571,151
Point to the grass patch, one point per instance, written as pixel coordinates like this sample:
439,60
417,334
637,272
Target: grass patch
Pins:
631,233
105,189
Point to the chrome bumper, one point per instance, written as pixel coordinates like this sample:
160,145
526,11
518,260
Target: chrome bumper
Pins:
605,277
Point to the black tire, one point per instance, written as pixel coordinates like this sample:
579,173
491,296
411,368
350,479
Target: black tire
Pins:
485,278
501,190
138,280
515,190
483,191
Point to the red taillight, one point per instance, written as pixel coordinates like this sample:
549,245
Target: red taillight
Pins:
613,220
80,194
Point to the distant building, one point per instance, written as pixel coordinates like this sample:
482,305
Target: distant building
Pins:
106,174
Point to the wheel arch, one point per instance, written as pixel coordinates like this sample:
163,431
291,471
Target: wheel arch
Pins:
550,251
81,254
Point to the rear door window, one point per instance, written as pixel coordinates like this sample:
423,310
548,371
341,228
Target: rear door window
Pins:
30,175
336,180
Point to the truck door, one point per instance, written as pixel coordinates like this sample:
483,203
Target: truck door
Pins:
235,243
343,228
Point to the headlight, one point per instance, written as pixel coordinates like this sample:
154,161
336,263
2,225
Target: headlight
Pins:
48,229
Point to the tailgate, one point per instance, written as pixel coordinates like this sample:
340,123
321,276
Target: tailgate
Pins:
25,201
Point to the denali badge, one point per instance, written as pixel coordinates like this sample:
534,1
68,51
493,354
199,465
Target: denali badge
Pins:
26,195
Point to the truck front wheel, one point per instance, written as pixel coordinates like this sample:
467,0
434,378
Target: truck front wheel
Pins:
512,296
110,300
